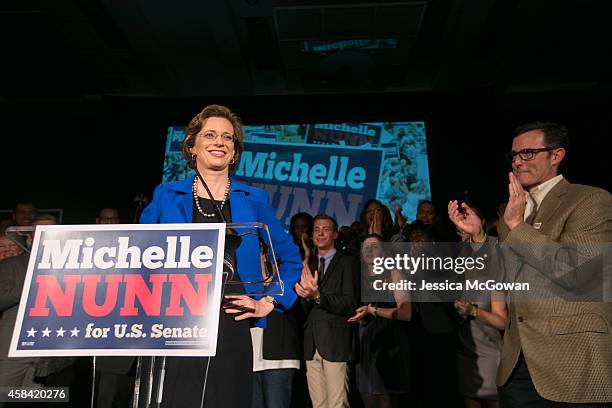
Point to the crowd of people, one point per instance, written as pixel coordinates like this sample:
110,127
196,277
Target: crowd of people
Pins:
323,343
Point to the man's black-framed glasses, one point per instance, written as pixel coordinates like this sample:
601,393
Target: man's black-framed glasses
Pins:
527,154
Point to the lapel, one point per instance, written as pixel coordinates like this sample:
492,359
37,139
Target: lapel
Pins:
548,208
330,269
242,208
185,204
551,203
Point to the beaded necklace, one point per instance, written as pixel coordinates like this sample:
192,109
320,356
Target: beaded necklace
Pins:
197,202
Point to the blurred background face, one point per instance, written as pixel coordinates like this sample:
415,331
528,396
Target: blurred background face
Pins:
24,215
8,248
108,216
371,248
300,227
371,210
426,213
419,242
45,222
324,234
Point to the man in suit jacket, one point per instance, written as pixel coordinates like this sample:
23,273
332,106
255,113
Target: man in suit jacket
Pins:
22,371
13,371
330,295
555,352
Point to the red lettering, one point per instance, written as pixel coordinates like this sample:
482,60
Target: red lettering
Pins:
89,294
150,300
182,288
49,288
182,292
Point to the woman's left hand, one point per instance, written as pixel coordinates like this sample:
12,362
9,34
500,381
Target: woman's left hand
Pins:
359,315
247,307
463,308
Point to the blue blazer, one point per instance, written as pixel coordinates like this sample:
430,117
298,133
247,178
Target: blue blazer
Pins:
173,203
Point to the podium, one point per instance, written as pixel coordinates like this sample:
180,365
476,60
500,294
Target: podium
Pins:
249,266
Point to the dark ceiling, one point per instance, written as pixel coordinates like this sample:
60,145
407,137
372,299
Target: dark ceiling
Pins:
89,48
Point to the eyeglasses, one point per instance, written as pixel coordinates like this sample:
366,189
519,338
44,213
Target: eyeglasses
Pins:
211,136
527,154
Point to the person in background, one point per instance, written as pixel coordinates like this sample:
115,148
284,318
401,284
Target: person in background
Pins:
483,318
108,215
329,296
23,371
375,218
8,248
300,228
277,349
433,332
383,371
24,214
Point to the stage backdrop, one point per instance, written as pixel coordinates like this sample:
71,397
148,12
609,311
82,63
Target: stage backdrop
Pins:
331,168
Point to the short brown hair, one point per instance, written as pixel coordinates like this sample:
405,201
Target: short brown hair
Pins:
326,217
195,126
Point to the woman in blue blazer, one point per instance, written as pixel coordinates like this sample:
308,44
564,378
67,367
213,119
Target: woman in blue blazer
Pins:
213,143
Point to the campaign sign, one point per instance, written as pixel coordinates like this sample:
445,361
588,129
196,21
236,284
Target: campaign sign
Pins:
319,179
116,290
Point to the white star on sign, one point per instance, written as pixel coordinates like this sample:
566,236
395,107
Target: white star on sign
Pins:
46,332
74,332
31,332
60,332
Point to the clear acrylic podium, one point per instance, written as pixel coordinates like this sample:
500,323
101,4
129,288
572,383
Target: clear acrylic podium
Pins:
150,371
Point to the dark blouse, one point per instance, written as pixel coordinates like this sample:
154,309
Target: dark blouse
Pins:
229,380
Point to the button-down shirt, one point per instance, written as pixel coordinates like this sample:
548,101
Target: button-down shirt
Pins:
328,257
538,193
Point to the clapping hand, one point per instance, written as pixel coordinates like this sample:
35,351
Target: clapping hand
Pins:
376,224
308,286
401,220
305,246
466,221
515,209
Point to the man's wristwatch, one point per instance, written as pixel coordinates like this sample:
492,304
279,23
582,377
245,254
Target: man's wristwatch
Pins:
317,298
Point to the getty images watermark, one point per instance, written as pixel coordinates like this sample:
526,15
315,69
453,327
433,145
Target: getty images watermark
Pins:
444,272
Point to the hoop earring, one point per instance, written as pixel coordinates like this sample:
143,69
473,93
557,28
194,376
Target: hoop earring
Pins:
193,157
233,160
